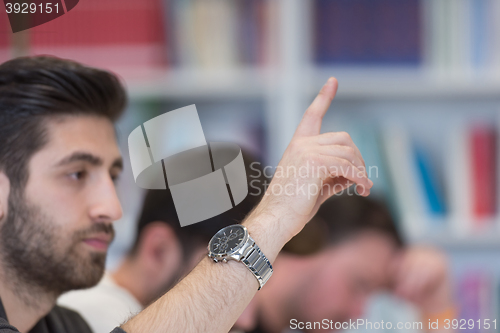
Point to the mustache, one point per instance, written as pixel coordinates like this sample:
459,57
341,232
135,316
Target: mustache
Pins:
96,229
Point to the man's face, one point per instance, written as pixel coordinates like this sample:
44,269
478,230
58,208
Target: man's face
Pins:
58,228
345,276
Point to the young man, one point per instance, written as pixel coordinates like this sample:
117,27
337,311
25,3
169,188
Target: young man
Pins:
58,160
350,250
163,252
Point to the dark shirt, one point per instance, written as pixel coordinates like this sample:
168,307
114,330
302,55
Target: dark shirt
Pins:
258,328
59,320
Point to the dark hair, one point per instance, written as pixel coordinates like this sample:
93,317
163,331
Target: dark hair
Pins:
159,206
339,219
33,89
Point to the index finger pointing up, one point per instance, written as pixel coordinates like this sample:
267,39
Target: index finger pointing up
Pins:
311,121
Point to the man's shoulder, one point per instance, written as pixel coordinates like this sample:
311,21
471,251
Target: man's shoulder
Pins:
5,327
59,320
62,319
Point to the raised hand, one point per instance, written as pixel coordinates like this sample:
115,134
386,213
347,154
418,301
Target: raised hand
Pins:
311,163
314,167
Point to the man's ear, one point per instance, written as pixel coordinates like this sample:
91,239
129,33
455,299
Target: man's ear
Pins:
159,249
4,194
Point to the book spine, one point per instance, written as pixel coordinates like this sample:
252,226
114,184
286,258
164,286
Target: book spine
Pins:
484,172
430,184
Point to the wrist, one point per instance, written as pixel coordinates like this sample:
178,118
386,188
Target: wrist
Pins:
263,227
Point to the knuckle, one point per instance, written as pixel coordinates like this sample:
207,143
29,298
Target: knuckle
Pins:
344,136
350,152
322,93
343,164
330,135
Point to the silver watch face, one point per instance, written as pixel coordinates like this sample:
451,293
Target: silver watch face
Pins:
227,239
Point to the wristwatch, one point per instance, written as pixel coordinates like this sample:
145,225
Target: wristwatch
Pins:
234,243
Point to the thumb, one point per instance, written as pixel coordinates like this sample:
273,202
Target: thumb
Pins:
311,121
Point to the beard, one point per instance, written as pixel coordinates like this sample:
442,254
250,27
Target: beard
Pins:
37,252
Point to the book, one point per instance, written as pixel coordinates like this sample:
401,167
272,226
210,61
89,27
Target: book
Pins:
433,193
114,34
483,142
459,37
469,298
408,190
480,33
222,34
367,32
458,178
252,32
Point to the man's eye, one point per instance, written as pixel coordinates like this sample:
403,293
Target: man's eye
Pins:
78,175
115,178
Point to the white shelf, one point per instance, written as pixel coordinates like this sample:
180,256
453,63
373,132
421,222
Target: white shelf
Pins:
196,83
354,83
372,83
470,242
458,235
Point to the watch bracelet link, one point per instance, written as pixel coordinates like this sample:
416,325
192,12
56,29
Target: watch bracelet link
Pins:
257,262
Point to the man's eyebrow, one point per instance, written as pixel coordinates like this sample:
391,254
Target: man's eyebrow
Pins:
83,157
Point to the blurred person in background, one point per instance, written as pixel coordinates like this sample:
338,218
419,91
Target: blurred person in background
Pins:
163,252
350,250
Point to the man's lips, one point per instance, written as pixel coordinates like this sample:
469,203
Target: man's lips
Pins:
100,242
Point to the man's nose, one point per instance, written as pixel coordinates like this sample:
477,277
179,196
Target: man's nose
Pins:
106,206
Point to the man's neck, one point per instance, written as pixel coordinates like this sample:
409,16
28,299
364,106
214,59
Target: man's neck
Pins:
24,305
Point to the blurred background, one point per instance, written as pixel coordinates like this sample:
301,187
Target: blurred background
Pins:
419,92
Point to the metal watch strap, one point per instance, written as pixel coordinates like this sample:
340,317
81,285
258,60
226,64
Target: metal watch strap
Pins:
257,262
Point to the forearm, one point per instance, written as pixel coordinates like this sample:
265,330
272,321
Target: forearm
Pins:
209,299
213,295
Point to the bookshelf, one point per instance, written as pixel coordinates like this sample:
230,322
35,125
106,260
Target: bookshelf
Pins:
290,78
449,79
